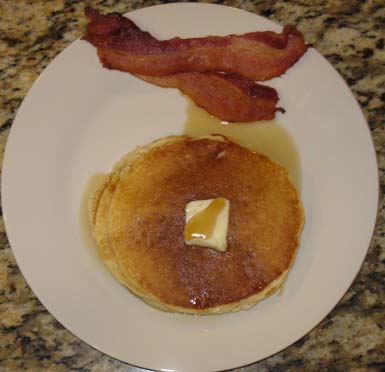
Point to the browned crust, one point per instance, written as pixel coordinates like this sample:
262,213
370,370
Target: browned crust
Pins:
144,224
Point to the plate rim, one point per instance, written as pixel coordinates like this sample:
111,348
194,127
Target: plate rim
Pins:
5,201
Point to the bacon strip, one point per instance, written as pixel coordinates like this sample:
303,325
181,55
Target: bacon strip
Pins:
226,96
229,97
258,55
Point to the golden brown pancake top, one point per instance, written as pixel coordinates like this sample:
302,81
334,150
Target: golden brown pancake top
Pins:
146,220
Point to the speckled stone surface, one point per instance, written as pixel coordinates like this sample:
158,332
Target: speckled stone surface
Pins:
350,34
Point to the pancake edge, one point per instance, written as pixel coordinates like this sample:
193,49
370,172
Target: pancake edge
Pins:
103,196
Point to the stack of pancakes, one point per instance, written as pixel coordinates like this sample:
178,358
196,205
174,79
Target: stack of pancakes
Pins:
138,219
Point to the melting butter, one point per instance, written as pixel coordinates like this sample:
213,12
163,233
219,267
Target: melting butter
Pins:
207,222
202,224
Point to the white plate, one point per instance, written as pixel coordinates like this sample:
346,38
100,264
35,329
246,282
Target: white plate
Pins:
79,118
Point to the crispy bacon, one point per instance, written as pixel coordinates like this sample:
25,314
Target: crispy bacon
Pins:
229,97
258,55
226,96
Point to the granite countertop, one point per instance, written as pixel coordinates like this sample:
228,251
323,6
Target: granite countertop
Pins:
350,34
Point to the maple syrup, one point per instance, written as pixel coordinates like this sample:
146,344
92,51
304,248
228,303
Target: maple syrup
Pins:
85,225
266,137
202,224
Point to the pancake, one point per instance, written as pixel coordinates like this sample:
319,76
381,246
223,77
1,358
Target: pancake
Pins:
138,218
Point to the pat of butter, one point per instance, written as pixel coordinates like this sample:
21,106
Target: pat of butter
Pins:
207,222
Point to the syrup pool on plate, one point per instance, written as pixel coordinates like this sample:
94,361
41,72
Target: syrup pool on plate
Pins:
92,185
267,137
